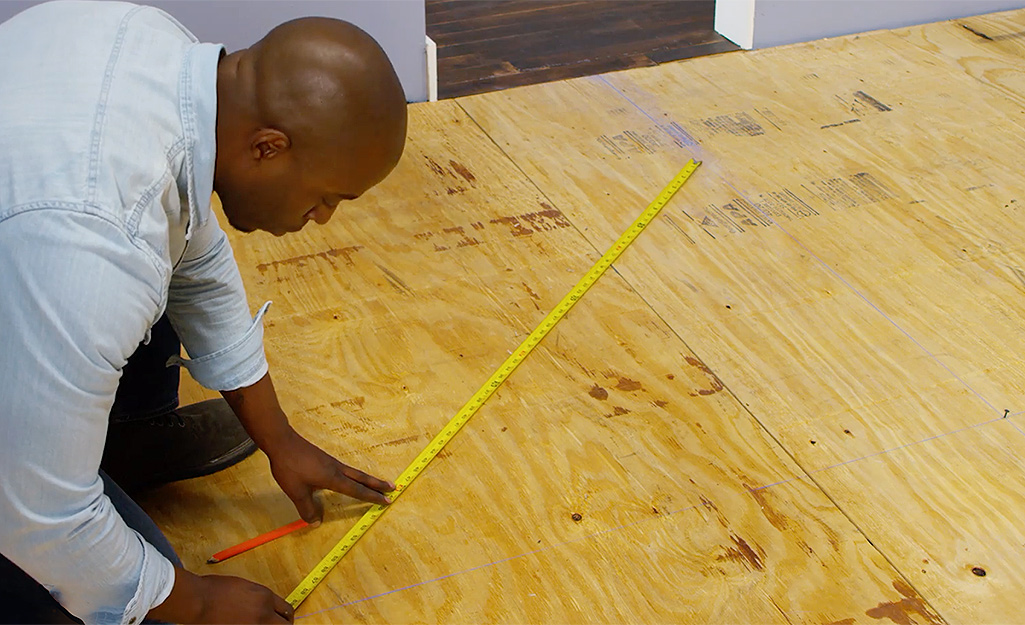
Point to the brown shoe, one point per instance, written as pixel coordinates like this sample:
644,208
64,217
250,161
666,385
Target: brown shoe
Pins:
187,442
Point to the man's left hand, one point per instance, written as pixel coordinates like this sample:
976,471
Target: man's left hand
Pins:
301,468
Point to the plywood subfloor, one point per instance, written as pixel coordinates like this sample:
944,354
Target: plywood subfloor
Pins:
797,398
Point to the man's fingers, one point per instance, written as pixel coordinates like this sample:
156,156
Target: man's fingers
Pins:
368,480
347,486
309,507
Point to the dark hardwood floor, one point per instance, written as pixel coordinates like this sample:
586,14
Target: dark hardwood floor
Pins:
490,45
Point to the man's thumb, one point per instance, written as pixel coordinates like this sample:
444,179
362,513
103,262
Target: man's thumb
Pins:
309,508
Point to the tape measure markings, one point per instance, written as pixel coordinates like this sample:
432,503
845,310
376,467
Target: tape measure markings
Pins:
311,581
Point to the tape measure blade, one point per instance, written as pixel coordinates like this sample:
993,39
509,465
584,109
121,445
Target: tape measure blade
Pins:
470,408
537,335
651,212
328,562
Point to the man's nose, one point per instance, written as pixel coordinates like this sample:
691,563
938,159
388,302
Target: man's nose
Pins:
322,214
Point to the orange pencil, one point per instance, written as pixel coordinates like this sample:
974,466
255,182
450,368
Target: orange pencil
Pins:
221,556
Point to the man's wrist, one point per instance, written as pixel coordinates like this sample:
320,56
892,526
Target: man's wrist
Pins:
186,602
279,442
258,409
270,429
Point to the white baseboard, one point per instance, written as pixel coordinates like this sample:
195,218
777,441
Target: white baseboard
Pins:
432,70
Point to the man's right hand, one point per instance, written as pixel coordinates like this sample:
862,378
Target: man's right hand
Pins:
220,599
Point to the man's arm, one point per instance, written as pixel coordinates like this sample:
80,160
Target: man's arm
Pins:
299,467
219,599
208,308
77,300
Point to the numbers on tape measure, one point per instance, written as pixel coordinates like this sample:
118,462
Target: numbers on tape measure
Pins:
489,387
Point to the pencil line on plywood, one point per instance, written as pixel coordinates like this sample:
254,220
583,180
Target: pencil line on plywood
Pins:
1015,426
712,165
886,451
871,304
648,519
696,152
656,518
690,148
501,561
726,387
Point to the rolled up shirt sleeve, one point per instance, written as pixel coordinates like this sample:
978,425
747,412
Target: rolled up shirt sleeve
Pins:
77,299
208,308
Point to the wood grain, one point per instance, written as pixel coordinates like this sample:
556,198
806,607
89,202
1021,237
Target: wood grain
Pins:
484,46
848,265
771,318
688,509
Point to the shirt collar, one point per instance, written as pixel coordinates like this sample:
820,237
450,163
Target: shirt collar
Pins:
199,117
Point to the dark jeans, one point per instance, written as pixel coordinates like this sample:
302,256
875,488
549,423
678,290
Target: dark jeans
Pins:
148,388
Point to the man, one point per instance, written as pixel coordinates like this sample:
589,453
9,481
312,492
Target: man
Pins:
116,126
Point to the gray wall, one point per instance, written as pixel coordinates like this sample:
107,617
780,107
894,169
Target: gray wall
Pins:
778,22
398,25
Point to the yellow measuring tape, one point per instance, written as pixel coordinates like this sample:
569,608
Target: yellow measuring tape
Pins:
497,378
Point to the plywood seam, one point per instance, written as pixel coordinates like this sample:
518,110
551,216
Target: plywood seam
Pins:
807,475
883,452
821,262
762,425
504,560
861,296
793,458
937,494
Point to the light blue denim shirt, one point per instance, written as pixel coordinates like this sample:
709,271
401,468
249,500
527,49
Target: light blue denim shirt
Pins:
107,145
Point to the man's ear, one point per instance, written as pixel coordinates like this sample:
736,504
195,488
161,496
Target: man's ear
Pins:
266,143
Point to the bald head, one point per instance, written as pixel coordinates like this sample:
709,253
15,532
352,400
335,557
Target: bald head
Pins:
315,105
316,76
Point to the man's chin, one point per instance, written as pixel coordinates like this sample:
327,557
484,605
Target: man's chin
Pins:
292,230
246,228
234,223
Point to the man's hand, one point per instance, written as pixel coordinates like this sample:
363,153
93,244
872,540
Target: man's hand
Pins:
300,468
220,599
